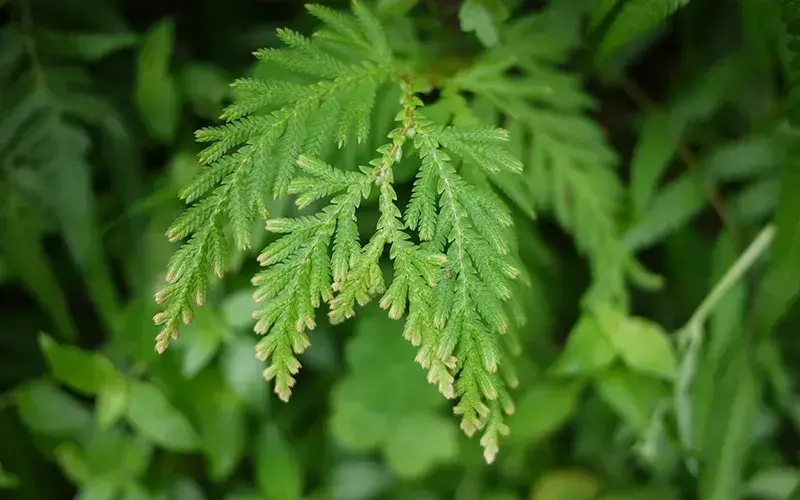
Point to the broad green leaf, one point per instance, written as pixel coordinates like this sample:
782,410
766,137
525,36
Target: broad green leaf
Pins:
742,160
359,481
383,377
86,46
658,141
156,93
7,479
566,485
206,88
279,474
588,349
730,426
221,424
237,309
632,396
84,371
353,423
775,483
675,205
476,15
112,400
543,409
418,443
642,344
781,282
154,417
71,460
114,458
242,372
637,18
201,341
383,386
46,410
756,201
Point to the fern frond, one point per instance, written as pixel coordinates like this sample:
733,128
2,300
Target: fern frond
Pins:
373,31
298,279
254,155
481,145
255,94
469,310
303,56
452,287
569,165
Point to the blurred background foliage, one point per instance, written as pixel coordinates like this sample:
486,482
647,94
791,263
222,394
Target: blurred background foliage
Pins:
98,102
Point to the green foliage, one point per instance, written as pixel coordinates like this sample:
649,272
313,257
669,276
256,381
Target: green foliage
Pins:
156,93
45,141
781,279
279,473
791,21
630,20
482,16
453,283
383,403
577,221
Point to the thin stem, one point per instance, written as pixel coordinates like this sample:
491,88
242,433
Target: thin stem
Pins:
759,245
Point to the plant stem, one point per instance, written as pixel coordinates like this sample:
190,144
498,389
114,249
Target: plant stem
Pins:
759,245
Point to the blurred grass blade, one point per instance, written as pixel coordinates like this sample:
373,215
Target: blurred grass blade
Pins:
26,258
675,205
68,176
654,151
156,92
757,201
636,19
778,376
742,160
698,375
781,282
730,426
85,46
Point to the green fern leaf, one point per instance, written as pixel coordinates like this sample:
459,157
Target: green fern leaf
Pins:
452,287
568,163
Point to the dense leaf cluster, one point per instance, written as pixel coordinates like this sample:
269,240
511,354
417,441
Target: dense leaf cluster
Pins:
452,284
579,218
